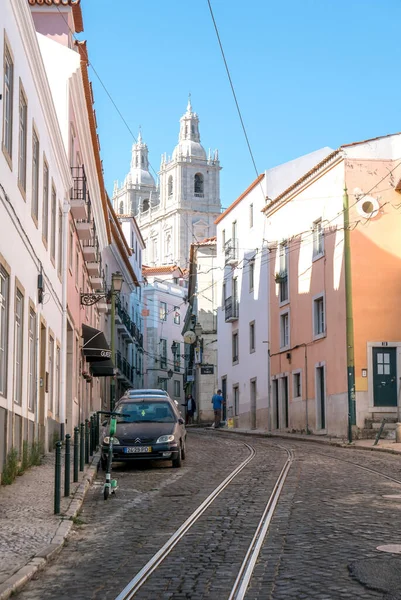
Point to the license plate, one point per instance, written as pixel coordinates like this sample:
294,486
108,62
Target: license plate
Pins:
138,449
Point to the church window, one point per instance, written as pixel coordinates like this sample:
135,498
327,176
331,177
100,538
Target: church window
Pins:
136,160
170,185
168,246
145,205
192,129
198,184
121,207
142,160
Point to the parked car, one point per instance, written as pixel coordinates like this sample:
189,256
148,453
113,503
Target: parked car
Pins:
146,392
150,428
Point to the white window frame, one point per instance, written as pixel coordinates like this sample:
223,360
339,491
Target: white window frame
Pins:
22,138
296,373
315,317
8,101
318,239
18,345
162,313
45,200
35,175
235,358
4,312
252,343
251,275
283,345
32,359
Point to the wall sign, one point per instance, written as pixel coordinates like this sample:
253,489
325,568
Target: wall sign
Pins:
207,370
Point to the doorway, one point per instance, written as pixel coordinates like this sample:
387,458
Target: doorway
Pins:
42,380
284,388
320,398
253,404
276,415
224,394
385,376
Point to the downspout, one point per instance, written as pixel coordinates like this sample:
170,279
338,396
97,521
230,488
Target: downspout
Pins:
306,390
349,318
63,357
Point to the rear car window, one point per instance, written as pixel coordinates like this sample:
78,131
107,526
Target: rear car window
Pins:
145,411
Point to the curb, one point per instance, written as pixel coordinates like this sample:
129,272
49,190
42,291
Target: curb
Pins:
17,581
324,442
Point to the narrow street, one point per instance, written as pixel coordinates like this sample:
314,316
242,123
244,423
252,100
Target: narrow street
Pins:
330,518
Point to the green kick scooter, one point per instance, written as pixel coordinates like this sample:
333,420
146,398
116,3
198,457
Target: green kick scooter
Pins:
110,485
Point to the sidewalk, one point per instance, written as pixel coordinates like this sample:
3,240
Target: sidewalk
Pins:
390,446
30,532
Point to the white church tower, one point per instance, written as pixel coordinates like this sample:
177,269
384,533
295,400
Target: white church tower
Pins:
185,207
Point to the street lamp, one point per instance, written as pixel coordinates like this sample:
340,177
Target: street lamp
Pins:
116,285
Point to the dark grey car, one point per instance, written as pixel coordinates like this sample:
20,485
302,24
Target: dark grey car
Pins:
150,428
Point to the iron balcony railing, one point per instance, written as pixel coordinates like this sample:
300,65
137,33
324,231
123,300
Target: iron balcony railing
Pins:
231,308
231,252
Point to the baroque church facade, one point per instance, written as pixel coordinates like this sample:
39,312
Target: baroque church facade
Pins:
182,207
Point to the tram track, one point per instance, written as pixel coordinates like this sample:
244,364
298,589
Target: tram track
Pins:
246,569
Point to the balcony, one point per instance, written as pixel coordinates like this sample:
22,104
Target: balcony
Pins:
84,230
231,308
94,268
123,322
79,199
97,282
90,248
231,252
125,370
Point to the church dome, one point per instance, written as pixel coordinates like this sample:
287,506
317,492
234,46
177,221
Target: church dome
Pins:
141,177
189,148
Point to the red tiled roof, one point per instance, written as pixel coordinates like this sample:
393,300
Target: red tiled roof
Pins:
238,200
76,10
207,241
161,269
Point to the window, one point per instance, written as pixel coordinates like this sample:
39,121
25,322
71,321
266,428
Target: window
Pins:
18,346
251,215
236,400
223,239
32,361
4,282
319,326
121,209
53,224
60,242
252,336
170,185
177,316
77,266
162,311
284,330
35,176
296,385
251,275
177,357
58,374
145,205
318,239
177,389
51,373
235,347
283,274
198,184
45,208
163,383
71,250
163,354
23,126
8,93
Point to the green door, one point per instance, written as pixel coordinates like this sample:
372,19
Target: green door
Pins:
385,376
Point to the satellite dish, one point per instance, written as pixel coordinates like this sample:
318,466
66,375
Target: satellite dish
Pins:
189,337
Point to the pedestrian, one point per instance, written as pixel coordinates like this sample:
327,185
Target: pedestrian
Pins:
190,408
217,402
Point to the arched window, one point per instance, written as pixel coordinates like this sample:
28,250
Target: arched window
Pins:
198,183
136,160
145,205
170,185
142,159
121,207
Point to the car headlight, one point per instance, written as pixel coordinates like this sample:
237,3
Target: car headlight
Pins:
106,440
165,438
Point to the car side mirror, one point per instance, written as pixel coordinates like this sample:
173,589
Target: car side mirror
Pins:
181,421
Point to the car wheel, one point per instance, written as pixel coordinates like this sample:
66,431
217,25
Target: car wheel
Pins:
177,462
183,452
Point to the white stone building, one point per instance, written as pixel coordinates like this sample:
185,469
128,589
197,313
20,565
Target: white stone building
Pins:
183,207
242,291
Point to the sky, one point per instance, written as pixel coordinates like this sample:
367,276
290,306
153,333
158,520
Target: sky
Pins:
307,74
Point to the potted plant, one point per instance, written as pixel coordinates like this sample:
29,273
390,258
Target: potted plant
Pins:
280,277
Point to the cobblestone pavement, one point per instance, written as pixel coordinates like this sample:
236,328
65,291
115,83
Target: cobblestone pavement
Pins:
27,520
329,520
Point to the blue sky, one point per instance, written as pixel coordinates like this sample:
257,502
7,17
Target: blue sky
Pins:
307,74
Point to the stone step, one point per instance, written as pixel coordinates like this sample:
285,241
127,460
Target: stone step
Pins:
370,434
376,423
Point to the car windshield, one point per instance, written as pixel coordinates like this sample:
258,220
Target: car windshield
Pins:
145,412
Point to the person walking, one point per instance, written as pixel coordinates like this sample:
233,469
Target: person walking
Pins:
217,402
190,408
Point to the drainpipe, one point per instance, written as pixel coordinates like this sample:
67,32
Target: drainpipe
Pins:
63,357
349,319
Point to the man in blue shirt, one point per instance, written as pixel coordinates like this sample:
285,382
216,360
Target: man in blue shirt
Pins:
217,402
